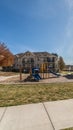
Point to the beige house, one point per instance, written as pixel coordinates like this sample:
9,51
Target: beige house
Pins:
36,59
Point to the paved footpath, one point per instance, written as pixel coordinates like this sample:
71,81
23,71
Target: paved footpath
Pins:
42,116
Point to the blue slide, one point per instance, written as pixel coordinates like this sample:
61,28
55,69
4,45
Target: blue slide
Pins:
54,73
37,76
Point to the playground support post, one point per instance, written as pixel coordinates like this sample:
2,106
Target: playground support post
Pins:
47,70
43,70
20,73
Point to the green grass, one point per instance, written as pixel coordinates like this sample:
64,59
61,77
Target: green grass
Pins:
24,94
8,73
66,72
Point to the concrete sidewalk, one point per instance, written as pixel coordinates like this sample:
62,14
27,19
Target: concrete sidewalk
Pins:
42,116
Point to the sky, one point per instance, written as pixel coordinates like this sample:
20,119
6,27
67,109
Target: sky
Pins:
38,25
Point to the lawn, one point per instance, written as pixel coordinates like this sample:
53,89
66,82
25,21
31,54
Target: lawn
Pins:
68,129
24,94
8,73
66,72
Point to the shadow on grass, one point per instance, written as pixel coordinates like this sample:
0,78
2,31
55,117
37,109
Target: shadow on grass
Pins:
69,76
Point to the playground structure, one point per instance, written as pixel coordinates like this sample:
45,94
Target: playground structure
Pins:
34,75
43,72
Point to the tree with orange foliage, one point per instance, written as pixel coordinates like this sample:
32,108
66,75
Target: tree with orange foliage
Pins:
6,57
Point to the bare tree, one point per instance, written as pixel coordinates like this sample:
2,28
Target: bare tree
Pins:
61,63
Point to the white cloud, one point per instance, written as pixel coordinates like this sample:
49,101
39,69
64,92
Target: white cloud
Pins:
69,3
68,37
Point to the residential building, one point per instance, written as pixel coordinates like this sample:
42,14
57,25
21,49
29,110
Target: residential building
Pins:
68,68
30,60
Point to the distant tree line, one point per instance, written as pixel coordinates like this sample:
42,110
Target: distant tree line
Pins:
61,63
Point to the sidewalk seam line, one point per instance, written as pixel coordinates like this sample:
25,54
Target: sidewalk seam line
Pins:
48,116
3,114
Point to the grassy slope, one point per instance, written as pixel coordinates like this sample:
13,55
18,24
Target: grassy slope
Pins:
24,94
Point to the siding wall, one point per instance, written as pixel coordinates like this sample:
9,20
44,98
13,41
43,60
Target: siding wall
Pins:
29,60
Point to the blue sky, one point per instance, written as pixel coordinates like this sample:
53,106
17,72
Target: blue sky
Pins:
38,25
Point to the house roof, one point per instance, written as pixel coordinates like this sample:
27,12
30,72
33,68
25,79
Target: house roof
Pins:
19,55
38,54
41,53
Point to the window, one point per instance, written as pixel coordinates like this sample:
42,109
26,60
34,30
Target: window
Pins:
32,60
